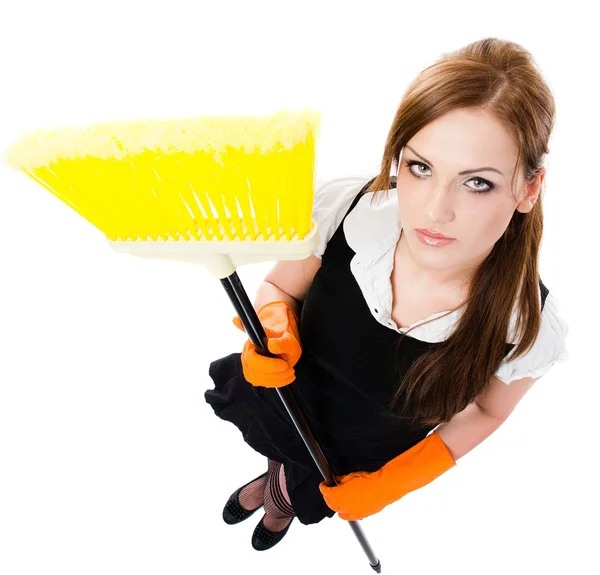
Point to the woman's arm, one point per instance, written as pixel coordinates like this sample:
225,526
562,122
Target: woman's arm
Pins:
287,281
467,429
481,418
361,494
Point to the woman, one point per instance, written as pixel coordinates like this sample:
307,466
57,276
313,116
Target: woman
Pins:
447,249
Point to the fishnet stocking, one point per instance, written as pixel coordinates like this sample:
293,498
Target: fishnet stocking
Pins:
252,495
278,509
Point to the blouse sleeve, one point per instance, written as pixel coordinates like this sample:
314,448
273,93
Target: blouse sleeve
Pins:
332,200
548,348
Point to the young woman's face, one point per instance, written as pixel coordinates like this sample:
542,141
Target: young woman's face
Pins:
475,208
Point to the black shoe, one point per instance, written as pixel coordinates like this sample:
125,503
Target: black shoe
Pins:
233,512
263,538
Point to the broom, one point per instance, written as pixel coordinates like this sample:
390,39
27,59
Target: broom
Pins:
215,191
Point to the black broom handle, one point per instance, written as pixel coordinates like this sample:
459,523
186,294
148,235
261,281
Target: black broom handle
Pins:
256,333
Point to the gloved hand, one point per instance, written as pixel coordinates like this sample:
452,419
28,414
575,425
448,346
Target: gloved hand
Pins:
283,339
361,494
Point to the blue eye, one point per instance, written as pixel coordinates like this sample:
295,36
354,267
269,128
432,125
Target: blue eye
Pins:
489,186
411,163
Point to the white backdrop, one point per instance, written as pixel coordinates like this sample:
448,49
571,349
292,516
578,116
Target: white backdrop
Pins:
110,459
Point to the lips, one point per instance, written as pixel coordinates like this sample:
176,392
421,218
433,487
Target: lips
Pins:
434,234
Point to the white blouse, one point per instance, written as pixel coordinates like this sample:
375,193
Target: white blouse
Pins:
372,232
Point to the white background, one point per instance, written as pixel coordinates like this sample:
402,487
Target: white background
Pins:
110,459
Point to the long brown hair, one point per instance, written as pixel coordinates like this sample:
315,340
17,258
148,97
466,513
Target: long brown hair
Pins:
501,78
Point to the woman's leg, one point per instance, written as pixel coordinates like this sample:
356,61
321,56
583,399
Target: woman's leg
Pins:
278,509
252,496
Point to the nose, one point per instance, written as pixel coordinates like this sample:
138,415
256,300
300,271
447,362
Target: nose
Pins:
441,204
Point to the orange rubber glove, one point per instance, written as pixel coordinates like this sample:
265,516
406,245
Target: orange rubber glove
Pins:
361,494
283,339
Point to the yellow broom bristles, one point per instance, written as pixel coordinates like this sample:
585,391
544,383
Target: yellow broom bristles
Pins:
236,178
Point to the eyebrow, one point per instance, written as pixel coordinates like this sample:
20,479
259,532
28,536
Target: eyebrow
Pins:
487,168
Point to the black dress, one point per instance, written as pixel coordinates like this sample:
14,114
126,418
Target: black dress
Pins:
344,380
